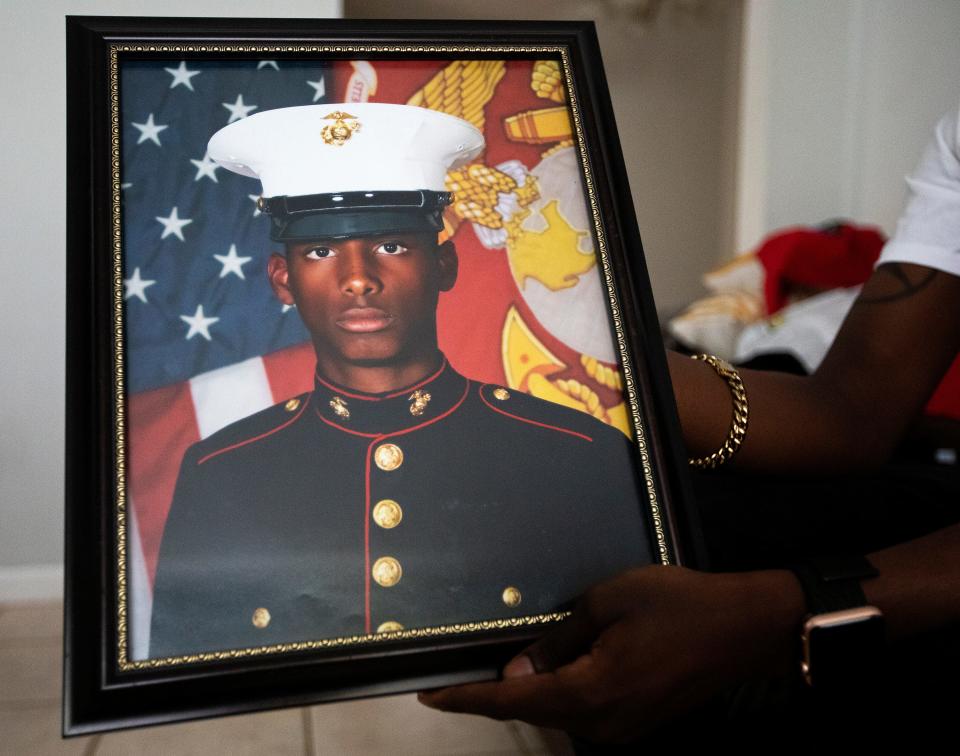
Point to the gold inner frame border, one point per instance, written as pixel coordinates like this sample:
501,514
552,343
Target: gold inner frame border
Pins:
124,663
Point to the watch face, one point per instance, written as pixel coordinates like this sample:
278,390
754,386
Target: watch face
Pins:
842,649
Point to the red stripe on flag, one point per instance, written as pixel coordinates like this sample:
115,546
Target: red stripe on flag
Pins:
290,371
162,425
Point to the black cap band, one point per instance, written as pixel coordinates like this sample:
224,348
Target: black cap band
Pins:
347,214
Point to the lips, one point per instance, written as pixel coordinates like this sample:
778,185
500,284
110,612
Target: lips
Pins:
364,320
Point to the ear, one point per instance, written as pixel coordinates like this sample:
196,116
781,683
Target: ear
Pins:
448,265
279,275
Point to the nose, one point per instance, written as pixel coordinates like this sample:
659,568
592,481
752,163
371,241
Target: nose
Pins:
359,276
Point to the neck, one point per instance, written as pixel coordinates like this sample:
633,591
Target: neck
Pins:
377,378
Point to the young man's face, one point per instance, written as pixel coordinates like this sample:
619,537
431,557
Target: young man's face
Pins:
370,300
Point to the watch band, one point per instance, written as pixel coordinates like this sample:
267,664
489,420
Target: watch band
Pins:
833,583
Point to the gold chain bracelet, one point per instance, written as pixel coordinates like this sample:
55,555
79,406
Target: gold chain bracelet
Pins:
738,428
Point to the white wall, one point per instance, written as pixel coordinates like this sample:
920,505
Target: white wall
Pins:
838,98
32,237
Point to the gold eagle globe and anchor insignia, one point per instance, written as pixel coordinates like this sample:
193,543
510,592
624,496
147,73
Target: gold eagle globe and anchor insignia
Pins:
339,407
419,400
342,128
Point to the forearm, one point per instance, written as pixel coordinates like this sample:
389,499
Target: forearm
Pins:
918,589
893,348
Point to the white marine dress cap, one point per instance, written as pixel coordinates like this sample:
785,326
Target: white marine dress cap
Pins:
348,169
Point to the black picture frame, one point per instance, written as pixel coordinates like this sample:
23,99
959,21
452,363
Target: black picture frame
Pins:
101,692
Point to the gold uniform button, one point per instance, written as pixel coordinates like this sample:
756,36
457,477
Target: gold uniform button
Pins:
501,393
387,513
291,405
511,596
388,457
261,618
387,571
389,627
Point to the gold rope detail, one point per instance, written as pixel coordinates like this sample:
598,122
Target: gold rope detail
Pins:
476,188
605,376
462,89
583,393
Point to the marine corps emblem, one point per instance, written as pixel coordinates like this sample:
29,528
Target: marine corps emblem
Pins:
339,408
341,129
419,400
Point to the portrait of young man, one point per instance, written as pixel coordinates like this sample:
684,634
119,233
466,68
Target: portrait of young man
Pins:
398,493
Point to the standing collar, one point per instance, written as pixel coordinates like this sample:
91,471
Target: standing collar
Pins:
381,414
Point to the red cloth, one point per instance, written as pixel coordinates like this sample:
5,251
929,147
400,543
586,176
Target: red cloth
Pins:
841,256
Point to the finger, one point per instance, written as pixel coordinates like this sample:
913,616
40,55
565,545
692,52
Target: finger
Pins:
560,645
548,700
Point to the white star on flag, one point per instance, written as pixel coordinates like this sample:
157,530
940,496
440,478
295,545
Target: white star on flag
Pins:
238,110
136,286
265,63
286,307
198,324
173,224
255,199
206,167
182,75
150,130
232,263
319,90
126,185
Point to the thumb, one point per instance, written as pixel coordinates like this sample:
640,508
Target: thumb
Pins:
559,646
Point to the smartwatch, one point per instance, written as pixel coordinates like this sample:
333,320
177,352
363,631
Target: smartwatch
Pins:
843,638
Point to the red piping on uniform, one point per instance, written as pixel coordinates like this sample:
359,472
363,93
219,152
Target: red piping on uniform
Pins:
531,422
466,390
362,397
382,436
366,516
256,438
415,386
345,430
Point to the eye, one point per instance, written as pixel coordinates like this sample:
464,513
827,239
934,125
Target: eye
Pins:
320,253
390,248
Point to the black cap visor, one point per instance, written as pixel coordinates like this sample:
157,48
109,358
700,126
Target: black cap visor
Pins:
345,224
349,214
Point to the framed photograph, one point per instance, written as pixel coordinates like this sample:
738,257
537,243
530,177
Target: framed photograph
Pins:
365,381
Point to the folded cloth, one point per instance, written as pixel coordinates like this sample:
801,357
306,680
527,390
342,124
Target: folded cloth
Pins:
836,256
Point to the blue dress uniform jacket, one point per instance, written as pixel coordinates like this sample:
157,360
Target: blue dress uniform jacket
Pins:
339,514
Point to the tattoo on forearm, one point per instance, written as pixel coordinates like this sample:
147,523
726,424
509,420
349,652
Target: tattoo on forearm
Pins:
902,287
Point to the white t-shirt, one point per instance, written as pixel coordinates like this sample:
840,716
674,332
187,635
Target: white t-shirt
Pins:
928,232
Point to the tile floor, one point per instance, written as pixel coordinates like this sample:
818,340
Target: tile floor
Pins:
30,651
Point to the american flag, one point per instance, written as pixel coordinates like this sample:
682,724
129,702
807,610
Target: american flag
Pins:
207,343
